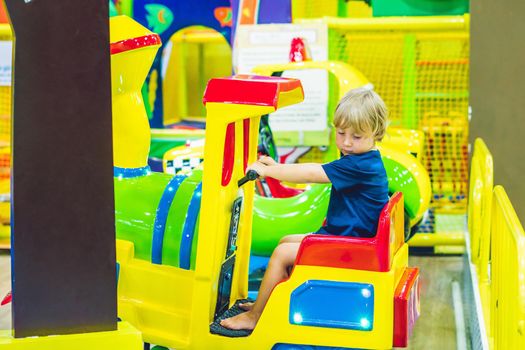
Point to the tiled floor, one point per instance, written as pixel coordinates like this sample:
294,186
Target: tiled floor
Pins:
436,328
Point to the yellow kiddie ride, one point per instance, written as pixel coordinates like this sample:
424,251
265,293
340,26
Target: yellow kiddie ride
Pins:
343,292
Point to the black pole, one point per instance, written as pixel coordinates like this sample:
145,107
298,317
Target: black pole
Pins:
63,225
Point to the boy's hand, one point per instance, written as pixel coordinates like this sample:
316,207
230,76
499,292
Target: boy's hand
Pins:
259,167
267,160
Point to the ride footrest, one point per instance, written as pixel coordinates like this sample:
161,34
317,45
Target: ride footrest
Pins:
235,310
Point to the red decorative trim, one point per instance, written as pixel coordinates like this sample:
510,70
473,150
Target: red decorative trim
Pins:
7,299
134,43
278,190
229,154
406,306
246,145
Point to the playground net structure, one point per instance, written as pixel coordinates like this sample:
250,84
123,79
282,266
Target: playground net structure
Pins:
5,117
420,66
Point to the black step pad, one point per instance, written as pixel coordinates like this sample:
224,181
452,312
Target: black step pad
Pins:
216,328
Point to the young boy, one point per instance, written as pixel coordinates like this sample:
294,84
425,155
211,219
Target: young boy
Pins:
359,189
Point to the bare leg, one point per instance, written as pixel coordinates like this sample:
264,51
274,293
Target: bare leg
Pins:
292,238
283,257
296,238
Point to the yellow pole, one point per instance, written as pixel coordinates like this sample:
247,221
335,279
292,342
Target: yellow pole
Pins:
5,32
437,23
433,239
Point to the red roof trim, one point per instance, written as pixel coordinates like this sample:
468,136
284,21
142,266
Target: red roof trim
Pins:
249,89
135,43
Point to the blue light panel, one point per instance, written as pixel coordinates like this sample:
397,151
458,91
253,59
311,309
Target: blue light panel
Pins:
333,304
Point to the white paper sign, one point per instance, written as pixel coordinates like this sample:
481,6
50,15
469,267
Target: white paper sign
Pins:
311,114
270,44
5,62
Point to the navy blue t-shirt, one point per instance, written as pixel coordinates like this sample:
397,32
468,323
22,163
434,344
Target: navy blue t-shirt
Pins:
359,193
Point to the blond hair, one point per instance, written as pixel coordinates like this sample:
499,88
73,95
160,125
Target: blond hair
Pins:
364,111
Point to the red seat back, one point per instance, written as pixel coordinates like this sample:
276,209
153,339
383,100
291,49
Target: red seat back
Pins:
371,254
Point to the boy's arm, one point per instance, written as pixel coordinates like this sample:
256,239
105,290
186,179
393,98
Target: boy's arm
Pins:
296,173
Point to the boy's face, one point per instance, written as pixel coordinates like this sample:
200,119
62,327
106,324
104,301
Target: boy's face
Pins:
350,142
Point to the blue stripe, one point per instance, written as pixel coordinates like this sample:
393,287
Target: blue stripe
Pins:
118,271
126,173
189,228
161,216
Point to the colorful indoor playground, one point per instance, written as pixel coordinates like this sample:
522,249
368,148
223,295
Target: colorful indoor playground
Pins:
132,215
